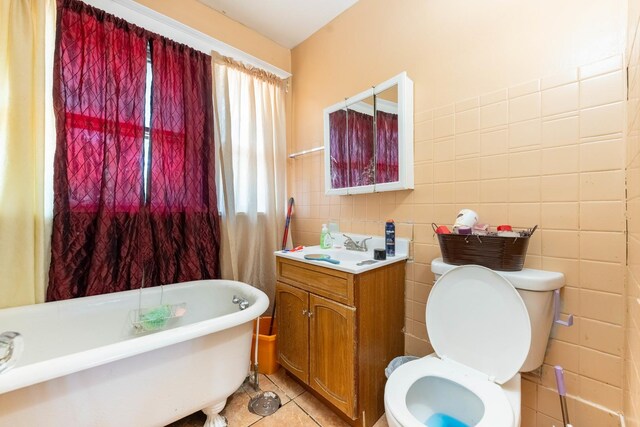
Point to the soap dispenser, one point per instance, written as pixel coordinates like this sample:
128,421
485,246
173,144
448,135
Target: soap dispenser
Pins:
325,238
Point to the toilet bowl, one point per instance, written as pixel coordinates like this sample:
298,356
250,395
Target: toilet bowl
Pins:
425,387
480,331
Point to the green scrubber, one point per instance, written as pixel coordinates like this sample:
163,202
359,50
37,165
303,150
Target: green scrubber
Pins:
155,318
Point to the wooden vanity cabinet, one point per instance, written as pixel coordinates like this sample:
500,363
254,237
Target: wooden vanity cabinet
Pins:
338,331
293,345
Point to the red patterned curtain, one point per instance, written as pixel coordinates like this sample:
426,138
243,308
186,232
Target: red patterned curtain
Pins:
351,147
108,229
183,206
339,165
99,87
360,137
387,147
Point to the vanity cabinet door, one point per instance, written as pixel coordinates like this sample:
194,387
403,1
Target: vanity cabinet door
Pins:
293,329
332,352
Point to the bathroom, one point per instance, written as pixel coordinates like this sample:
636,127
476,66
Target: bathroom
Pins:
524,111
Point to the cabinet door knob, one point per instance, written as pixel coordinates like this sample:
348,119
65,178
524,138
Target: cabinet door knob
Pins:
310,313
304,312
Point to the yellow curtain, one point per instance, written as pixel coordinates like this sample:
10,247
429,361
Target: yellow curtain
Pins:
23,110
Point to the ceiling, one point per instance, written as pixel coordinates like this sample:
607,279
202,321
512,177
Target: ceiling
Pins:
286,22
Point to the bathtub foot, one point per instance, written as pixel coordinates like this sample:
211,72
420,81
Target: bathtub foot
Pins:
214,419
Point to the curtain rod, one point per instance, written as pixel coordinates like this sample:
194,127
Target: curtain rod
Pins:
154,21
302,153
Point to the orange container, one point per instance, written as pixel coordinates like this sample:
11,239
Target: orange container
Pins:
267,346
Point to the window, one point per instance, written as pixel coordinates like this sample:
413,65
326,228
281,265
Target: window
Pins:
146,161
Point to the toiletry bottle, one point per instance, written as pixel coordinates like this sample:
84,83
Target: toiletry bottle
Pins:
390,237
325,237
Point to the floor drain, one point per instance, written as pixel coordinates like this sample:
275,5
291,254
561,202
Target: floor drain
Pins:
265,403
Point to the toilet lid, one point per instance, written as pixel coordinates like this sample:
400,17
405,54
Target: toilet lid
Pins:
477,318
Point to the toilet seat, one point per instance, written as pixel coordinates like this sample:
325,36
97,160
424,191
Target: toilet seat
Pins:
497,409
476,317
480,330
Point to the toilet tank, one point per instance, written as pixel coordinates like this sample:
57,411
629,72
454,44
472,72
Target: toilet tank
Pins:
536,290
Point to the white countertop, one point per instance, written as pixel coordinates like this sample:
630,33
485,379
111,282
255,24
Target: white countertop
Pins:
349,259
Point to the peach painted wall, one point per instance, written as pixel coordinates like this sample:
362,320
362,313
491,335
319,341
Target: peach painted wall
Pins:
632,353
204,19
519,113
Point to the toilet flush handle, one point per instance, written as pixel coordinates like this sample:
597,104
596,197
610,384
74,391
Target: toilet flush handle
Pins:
556,307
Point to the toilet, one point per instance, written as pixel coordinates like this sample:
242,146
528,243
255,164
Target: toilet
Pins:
485,327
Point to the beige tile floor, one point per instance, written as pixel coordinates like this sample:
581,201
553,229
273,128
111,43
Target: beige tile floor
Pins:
299,407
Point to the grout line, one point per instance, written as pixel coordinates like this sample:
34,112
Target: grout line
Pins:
303,410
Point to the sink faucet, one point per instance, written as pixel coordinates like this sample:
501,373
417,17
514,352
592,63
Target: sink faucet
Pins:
352,245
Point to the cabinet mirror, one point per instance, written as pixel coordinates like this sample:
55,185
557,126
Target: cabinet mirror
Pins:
369,140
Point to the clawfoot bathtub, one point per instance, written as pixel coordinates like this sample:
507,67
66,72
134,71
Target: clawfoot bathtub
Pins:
84,364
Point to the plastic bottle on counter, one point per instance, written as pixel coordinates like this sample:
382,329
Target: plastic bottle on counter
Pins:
325,238
390,237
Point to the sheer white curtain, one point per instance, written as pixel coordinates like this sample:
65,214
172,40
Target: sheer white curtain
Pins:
27,137
249,109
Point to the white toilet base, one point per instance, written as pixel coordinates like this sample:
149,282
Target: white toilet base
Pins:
390,420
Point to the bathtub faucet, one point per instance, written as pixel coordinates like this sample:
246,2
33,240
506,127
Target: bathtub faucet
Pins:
242,303
11,345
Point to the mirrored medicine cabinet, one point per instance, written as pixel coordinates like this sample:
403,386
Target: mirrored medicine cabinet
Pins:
368,140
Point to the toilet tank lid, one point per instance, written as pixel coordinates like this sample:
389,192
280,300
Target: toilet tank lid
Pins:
527,279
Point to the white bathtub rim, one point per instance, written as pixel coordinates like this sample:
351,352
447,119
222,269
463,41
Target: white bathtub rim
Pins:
109,297
24,376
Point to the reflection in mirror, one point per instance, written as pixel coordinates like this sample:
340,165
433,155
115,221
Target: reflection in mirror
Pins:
339,164
387,135
360,143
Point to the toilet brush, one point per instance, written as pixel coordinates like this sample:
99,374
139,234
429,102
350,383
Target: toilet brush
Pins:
563,395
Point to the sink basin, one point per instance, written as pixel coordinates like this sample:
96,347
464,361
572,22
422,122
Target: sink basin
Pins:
345,255
349,259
